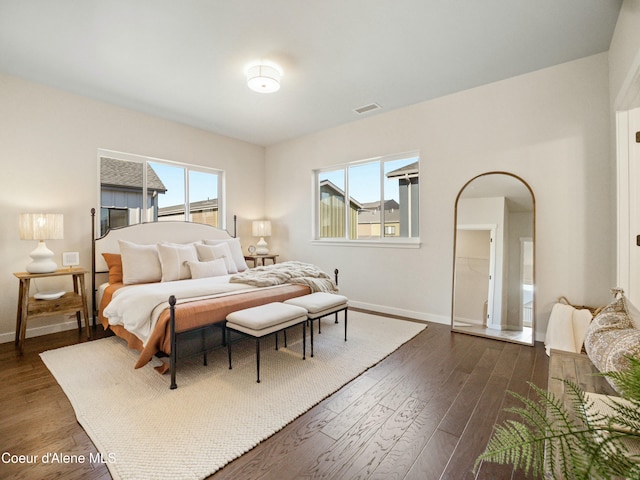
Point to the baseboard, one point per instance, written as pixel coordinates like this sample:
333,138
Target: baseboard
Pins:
425,317
471,321
42,330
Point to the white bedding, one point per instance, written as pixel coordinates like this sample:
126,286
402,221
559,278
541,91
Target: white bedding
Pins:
137,307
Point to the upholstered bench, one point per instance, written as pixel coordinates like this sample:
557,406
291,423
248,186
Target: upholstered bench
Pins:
320,305
264,320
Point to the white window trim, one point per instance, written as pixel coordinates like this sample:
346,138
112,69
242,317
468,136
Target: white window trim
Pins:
382,242
413,242
132,157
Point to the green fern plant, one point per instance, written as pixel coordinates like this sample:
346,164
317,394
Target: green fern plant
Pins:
573,443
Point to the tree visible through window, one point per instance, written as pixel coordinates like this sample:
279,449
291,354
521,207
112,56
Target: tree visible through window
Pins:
371,200
135,190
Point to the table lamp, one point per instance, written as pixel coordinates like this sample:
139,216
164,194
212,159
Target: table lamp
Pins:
41,227
261,228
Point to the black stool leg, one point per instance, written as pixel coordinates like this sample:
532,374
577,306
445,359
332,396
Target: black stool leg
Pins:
228,335
311,323
224,336
345,325
304,340
258,359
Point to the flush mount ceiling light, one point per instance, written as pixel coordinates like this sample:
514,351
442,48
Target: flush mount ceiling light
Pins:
264,78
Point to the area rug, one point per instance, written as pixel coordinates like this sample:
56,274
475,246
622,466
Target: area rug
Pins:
145,430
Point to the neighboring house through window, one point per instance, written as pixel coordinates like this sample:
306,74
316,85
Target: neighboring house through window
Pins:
408,177
334,213
136,189
383,200
369,219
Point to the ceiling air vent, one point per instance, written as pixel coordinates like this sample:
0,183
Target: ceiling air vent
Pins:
367,108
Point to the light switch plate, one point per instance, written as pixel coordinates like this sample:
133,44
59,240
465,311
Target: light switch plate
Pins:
70,259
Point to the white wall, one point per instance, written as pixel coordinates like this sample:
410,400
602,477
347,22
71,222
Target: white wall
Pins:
624,56
520,228
549,127
624,83
473,268
489,211
48,151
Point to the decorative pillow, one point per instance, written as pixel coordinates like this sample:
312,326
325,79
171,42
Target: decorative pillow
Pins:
212,268
611,337
236,251
634,314
140,263
114,263
207,253
614,316
173,260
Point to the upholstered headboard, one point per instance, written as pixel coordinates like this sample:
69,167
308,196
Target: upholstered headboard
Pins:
154,232
148,233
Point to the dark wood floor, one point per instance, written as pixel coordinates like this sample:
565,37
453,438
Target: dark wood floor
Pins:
425,412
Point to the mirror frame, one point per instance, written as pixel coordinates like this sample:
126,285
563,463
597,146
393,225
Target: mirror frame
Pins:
453,283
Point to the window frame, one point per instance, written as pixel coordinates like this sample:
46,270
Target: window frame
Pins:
382,240
146,161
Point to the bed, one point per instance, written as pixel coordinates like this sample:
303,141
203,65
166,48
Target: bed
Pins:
167,287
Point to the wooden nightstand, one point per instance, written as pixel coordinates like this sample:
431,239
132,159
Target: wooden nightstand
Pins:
255,258
70,302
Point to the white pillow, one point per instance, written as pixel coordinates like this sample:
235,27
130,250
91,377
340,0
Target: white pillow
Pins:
213,268
236,251
207,253
140,263
173,260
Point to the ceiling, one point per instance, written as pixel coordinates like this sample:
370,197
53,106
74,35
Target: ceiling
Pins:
184,60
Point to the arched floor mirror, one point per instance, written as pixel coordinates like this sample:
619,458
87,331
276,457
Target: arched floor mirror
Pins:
494,259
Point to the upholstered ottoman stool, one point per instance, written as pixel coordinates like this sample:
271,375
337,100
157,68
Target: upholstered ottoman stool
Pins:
320,305
264,320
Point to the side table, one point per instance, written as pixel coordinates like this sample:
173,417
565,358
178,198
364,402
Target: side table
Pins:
70,302
255,258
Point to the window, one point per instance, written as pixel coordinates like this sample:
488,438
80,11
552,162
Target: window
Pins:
369,200
137,189
115,217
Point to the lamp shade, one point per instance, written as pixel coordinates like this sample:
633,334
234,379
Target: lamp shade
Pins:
261,228
41,226
263,78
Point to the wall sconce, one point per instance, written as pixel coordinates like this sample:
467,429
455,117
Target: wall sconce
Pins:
41,227
261,228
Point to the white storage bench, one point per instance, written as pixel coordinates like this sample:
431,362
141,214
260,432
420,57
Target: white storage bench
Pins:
263,320
320,305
